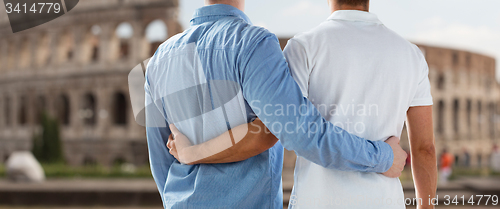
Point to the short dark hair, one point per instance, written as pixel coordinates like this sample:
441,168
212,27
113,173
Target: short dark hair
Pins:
353,2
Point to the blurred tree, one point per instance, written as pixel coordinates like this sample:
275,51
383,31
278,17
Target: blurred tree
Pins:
47,146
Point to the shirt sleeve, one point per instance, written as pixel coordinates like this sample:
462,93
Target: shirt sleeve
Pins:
296,56
277,100
157,133
423,95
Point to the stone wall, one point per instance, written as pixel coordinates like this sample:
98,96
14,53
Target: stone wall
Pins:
466,102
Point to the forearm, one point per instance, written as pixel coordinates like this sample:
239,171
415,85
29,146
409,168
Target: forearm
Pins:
239,152
319,141
251,139
424,168
340,150
423,152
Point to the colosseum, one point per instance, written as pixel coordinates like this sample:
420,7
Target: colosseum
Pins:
76,67
466,107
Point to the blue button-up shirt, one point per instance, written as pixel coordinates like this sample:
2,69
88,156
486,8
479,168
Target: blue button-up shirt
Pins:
222,72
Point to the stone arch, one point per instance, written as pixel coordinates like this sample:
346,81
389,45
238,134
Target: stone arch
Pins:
7,113
491,120
92,47
469,114
23,112
441,111
122,40
455,59
40,108
88,111
441,81
43,50
119,109
456,115
156,33
63,109
479,114
66,46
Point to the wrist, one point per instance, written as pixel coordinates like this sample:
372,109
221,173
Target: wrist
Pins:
384,156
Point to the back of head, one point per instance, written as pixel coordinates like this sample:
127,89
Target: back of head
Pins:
240,4
352,2
362,5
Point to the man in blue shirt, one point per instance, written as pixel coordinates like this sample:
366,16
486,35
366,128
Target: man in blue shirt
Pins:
223,72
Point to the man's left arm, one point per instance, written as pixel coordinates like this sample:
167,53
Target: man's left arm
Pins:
423,153
421,136
157,133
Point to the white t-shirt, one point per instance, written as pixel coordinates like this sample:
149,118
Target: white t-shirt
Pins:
362,77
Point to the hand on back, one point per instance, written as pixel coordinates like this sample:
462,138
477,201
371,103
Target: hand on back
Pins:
399,158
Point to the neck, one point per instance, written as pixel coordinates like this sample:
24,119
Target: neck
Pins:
335,7
239,4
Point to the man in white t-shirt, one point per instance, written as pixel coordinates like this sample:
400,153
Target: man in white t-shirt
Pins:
368,80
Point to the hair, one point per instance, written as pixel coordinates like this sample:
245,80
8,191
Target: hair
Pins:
353,2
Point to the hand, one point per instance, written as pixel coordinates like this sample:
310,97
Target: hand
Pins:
178,144
399,158
171,147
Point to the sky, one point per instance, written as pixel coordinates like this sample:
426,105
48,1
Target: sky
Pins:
472,25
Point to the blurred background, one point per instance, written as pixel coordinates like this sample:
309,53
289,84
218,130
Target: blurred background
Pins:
68,137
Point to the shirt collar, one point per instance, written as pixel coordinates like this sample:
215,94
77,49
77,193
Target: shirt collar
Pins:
355,15
216,12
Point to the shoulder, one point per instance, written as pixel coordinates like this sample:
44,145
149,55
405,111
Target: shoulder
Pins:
167,45
416,50
256,34
306,42
235,34
238,28
249,37
313,37
403,43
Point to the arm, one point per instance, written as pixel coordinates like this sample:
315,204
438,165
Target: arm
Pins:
255,139
157,133
423,153
268,87
299,64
